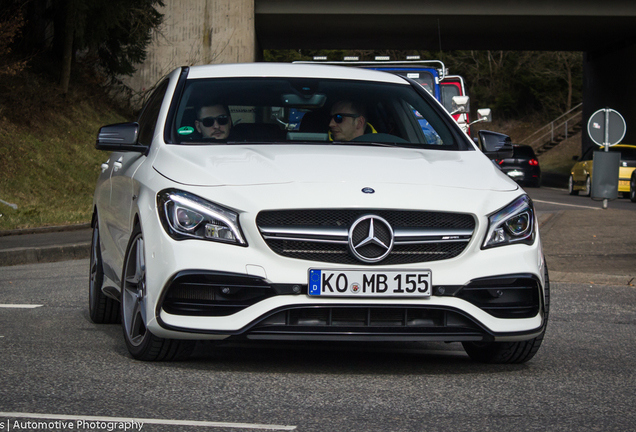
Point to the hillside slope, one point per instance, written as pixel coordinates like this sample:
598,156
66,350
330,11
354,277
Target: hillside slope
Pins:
48,162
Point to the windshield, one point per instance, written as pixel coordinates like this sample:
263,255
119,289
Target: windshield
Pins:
448,91
280,110
627,154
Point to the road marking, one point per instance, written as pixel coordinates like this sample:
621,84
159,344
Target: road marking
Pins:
20,306
569,205
144,421
554,189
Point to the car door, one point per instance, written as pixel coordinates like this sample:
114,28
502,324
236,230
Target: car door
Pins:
581,169
124,166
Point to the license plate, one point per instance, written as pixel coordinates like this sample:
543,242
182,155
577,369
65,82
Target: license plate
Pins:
515,173
364,283
623,183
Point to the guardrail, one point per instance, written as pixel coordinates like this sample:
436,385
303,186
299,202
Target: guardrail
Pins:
553,129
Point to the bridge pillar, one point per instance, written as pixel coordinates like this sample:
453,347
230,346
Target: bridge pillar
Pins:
195,33
608,82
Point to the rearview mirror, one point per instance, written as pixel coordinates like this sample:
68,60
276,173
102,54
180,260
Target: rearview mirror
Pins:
305,101
495,145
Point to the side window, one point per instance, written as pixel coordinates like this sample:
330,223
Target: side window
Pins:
430,134
150,113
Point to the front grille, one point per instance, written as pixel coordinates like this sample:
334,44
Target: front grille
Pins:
345,217
361,323
322,235
339,253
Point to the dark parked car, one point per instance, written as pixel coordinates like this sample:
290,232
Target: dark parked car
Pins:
522,167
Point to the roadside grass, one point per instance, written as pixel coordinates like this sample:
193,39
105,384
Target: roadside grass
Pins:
48,162
559,159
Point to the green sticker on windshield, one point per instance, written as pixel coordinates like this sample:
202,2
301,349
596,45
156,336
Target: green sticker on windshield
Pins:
186,130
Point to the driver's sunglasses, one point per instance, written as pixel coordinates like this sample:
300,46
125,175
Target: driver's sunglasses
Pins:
338,118
222,120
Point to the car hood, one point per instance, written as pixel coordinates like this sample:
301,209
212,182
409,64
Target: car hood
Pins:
245,165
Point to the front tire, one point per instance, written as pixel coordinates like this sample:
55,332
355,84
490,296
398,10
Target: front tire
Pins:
632,188
102,309
141,343
571,186
588,187
510,352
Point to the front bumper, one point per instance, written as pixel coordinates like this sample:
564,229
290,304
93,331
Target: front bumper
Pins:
216,295
285,313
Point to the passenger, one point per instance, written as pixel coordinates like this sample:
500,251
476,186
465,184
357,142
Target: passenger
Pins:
213,121
348,121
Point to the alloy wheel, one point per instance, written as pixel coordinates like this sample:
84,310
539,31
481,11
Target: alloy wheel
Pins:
94,270
134,293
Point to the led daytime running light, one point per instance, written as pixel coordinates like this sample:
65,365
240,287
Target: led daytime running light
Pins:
511,225
176,206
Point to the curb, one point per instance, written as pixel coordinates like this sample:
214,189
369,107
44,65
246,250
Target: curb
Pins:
20,256
42,230
593,279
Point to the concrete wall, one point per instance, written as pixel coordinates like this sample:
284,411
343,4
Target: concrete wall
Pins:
197,32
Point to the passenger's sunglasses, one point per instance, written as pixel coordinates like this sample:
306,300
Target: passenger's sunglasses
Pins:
222,120
338,118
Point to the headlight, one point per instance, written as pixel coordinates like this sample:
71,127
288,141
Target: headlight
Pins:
511,225
187,216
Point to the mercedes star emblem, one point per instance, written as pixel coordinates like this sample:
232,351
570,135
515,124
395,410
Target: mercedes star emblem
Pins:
370,238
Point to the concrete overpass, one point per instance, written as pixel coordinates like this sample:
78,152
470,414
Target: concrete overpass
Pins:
221,31
542,25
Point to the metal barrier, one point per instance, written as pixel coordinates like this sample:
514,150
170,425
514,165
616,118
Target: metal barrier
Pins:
553,129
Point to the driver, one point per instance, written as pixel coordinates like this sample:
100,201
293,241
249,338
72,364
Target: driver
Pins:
348,120
213,121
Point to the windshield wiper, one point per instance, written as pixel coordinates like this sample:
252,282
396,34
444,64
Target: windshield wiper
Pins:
365,143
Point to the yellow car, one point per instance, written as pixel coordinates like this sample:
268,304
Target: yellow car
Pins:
581,173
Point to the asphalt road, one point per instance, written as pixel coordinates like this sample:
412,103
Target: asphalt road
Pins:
55,361
553,199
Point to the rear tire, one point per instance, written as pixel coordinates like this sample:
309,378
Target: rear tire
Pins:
571,186
141,343
510,352
102,309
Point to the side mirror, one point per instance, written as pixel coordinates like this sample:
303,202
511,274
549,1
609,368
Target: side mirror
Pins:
484,115
460,104
119,137
495,145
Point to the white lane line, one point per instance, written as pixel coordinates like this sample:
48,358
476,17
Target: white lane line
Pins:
143,421
569,205
554,189
20,306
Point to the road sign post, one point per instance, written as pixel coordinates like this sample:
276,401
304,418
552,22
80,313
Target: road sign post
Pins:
606,127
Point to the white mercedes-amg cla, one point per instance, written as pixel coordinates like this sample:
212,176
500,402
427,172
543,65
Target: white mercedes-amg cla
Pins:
311,203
